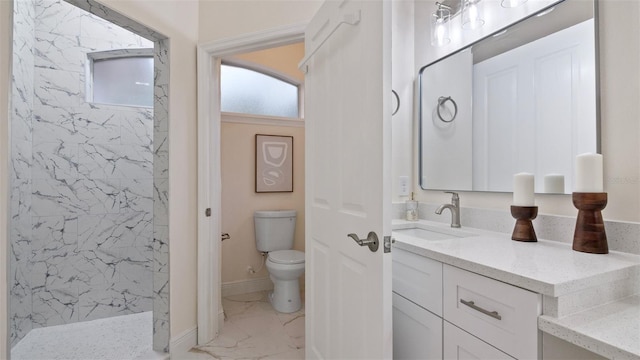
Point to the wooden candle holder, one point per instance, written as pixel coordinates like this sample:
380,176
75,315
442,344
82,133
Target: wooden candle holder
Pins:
523,231
590,235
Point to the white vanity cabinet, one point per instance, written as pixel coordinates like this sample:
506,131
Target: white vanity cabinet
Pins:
443,312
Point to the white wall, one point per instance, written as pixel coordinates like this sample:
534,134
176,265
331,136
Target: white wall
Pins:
402,45
5,76
224,19
620,109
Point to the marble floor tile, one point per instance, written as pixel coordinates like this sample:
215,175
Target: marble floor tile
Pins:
254,330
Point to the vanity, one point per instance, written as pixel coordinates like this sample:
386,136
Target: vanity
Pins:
460,293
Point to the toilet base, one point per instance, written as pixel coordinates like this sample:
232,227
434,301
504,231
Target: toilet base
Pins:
285,297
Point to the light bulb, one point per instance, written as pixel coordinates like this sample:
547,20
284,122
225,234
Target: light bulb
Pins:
472,18
441,32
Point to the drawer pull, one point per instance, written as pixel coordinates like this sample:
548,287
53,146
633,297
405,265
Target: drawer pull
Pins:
471,304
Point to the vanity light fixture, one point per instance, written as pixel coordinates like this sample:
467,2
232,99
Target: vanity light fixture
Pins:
441,25
512,3
472,14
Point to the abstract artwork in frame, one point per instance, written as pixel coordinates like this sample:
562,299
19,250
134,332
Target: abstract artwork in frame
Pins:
274,163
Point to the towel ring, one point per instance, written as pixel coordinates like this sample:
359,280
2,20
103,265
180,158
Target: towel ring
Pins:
441,101
397,98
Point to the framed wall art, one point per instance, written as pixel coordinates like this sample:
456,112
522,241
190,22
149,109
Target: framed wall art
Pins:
274,163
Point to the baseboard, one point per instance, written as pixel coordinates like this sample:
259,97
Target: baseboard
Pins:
184,342
220,319
246,286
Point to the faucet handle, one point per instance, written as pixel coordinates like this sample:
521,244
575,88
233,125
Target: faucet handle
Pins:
454,195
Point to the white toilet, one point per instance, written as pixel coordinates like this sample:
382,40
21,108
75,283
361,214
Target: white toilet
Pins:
274,235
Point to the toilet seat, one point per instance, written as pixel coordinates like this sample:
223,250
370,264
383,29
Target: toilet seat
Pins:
286,257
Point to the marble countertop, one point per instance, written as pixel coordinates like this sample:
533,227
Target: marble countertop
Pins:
611,330
546,267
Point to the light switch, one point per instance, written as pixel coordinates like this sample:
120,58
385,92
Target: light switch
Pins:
403,184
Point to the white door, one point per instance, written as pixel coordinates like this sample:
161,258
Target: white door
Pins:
348,151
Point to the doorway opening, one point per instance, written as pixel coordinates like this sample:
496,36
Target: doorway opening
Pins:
89,200
212,150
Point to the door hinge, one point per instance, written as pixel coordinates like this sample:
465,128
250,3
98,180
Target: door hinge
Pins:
387,244
207,212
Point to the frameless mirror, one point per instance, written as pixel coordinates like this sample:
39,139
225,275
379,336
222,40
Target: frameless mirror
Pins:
521,100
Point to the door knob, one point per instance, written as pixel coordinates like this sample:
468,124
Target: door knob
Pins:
371,241
225,236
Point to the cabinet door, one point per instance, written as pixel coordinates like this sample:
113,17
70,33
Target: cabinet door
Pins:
461,345
418,279
417,333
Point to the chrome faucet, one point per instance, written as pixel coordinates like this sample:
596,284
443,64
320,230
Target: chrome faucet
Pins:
454,207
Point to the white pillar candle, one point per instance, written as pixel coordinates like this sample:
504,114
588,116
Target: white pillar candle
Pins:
589,175
523,189
554,184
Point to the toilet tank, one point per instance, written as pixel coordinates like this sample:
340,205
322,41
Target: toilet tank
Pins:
274,229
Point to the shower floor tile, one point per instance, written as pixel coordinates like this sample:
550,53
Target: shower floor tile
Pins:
254,330
120,337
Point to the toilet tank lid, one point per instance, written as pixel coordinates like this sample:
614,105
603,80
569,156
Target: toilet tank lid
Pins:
275,213
287,257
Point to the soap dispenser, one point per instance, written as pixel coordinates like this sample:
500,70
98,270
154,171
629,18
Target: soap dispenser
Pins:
412,209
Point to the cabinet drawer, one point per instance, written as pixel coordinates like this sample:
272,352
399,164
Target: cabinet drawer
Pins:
459,344
418,279
417,333
500,314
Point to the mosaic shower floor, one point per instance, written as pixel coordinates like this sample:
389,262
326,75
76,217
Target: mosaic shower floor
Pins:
120,337
254,330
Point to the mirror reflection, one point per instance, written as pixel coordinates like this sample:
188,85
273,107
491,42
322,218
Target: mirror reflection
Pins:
521,100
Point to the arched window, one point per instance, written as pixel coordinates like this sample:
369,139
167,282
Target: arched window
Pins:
244,90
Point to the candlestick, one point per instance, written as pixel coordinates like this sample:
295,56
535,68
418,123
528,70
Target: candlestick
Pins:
523,230
589,178
523,185
554,184
590,235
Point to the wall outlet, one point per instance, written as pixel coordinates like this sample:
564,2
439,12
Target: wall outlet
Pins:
403,186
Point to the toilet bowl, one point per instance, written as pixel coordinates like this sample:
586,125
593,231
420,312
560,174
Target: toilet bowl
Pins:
285,268
274,236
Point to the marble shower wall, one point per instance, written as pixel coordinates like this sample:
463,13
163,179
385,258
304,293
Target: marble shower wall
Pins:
20,297
83,189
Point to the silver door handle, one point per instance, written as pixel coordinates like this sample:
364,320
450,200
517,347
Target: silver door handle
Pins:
471,304
371,241
225,236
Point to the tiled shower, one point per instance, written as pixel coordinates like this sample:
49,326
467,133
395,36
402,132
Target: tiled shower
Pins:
86,179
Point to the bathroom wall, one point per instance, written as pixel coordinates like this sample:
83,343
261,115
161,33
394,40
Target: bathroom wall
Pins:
5,58
82,201
619,91
239,199
402,70
22,94
227,19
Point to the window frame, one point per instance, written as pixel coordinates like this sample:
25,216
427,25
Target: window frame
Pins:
112,55
265,70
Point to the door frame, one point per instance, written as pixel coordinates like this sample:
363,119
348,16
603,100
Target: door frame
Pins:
209,57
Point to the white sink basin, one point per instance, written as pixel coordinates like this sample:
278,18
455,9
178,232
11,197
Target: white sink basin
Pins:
433,234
